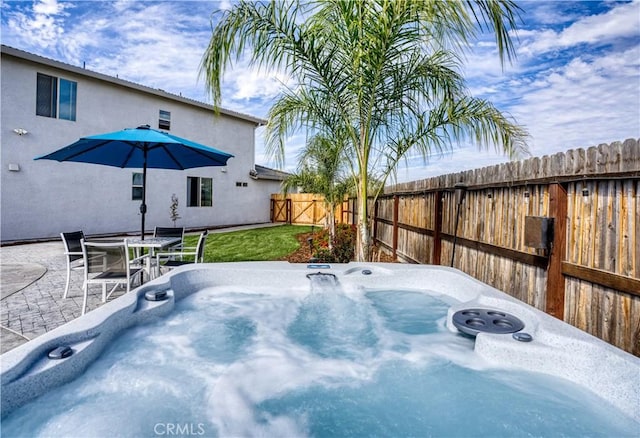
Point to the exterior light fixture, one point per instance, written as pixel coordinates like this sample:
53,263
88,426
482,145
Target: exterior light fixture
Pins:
585,189
585,193
21,131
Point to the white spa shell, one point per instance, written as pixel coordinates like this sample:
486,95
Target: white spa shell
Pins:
557,348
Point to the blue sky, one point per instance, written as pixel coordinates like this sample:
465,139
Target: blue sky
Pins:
575,82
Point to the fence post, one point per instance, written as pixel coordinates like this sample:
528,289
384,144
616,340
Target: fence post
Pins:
288,213
555,279
437,232
313,211
272,209
394,246
353,210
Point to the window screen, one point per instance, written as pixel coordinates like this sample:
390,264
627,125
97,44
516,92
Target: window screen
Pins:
46,95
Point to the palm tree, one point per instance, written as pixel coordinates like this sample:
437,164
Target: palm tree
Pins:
321,170
380,74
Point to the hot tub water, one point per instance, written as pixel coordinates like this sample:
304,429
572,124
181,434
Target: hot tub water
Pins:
236,362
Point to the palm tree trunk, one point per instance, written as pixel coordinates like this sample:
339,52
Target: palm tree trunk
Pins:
331,215
363,249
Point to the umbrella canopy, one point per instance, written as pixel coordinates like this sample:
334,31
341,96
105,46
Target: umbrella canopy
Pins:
141,147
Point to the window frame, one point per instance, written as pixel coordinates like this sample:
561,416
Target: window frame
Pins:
164,120
137,187
58,99
203,186
67,108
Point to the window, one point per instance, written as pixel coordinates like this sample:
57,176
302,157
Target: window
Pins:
164,121
136,187
47,91
199,192
49,103
68,92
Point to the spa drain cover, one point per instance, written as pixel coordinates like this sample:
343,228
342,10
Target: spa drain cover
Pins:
474,321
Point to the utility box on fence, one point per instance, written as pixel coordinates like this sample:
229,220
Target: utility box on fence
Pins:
538,232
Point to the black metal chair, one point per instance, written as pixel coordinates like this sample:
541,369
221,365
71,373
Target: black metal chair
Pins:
73,252
170,232
171,256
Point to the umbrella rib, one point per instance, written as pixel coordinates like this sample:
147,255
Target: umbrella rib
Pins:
173,158
84,151
128,157
207,156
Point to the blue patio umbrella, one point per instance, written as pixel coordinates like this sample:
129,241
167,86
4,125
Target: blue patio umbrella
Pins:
141,147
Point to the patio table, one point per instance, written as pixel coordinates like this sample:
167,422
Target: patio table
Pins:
152,244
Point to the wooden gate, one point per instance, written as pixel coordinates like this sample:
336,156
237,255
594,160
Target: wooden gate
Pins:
301,209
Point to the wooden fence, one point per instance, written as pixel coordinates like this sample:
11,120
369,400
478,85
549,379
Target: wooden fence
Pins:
590,277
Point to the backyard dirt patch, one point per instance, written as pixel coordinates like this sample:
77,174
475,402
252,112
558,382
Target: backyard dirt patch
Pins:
303,254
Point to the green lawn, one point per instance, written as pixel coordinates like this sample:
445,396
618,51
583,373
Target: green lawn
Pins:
260,244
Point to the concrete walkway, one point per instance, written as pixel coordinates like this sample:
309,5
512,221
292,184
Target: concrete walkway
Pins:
32,278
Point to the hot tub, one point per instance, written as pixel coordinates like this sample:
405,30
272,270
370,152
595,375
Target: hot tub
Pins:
275,349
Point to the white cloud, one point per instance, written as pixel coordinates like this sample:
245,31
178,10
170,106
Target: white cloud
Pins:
246,83
47,7
225,5
585,102
620,21
458,159
545,13
155,44
42,26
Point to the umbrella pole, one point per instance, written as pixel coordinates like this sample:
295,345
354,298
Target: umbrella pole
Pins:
143,206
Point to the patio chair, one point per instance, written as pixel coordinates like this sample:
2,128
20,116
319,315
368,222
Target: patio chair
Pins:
170,232
171,262
108,262
73,252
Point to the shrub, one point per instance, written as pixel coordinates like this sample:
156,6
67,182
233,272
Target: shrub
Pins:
343,246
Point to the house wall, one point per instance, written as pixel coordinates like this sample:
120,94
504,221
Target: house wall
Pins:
46,197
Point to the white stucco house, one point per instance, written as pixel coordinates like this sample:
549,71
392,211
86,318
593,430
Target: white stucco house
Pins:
48,104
